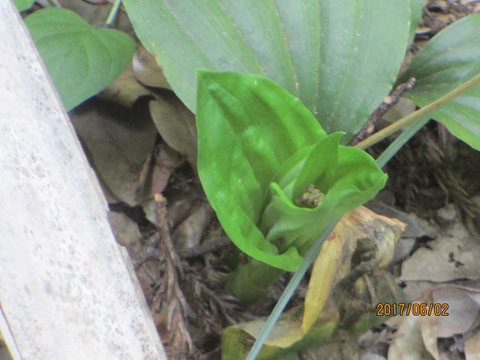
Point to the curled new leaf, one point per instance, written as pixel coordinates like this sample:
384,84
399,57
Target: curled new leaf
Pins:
344,176
259,149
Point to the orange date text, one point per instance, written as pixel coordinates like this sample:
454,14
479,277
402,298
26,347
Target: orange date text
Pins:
415,309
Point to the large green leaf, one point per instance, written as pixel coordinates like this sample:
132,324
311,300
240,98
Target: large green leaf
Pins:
80,59
252,135
247,127
339,57
451,58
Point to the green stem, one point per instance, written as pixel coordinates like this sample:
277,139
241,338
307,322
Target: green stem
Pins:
289,290
113,13
407,120
398,143
251,281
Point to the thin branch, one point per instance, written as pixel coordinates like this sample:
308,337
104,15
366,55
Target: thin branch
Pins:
170,296
389,102
403,122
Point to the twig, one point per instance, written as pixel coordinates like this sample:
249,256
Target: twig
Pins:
170,295
407,120
389,102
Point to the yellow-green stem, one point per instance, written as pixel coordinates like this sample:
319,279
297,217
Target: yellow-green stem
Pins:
113,13
407,120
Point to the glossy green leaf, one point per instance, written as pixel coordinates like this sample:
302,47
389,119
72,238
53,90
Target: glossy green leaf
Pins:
253,135
339,57
451,58
23,4
247,127
80,59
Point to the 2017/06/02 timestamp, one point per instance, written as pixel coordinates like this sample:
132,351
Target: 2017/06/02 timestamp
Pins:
415,309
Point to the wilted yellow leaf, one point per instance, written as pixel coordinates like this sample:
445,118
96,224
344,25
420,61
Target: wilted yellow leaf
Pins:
334,260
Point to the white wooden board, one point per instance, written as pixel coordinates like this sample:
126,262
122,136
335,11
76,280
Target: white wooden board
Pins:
66,291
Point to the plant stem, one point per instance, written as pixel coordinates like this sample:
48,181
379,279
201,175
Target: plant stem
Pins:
251,281
397,144
113,13
289,290
407,120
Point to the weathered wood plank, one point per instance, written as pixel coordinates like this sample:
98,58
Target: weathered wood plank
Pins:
66,291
